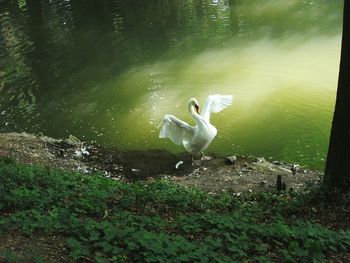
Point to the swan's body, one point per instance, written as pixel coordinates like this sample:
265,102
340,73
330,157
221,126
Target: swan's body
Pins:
196,138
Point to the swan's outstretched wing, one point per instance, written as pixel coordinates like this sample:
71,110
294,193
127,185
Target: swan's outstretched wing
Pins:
175,129
215,103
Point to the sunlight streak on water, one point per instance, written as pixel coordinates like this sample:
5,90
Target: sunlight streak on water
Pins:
107,71
284,93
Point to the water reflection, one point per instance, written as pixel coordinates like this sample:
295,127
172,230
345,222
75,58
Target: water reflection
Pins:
108,70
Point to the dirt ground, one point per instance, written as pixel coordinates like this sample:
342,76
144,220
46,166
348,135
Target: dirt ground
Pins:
22,248
235,174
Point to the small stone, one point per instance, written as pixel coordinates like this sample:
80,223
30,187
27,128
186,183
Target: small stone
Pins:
194,173
277,162
294,168
231,159
206,158
260,160
84,151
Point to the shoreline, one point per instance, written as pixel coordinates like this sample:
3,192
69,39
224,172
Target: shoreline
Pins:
235,174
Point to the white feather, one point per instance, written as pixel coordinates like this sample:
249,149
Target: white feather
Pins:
216,103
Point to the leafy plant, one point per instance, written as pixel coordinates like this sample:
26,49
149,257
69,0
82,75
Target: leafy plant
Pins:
111,221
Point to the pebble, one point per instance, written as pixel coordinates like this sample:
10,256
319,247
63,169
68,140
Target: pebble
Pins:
294,168
231,159
277,162
260,160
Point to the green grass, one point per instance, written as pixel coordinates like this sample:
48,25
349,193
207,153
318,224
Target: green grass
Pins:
110,221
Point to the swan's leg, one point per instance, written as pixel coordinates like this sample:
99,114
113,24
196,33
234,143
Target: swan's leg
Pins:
195,162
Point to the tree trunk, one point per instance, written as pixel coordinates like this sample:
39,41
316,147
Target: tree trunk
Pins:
337,172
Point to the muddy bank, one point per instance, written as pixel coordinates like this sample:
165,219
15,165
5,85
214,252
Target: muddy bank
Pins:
219,174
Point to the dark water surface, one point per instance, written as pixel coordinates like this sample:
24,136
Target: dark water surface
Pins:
108,70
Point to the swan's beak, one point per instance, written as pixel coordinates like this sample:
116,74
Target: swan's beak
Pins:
197,108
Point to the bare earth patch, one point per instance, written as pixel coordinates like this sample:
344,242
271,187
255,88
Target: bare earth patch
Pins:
29,149
32,248
220,174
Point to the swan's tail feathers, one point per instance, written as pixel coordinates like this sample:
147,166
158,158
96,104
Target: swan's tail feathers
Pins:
174,129
220,102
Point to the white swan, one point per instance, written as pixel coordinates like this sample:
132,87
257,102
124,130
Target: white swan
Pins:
196,138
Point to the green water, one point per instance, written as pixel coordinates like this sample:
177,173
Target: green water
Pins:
107,71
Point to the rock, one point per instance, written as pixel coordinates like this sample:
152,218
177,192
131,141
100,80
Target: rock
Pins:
206,158
277,163
194,173
81,152
73,140
231,159
260,160
280,168
294,168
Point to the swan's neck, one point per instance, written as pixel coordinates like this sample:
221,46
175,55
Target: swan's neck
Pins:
194,114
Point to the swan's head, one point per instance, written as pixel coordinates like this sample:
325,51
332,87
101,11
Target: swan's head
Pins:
193,104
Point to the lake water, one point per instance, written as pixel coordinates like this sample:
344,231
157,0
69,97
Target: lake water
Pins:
108,70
